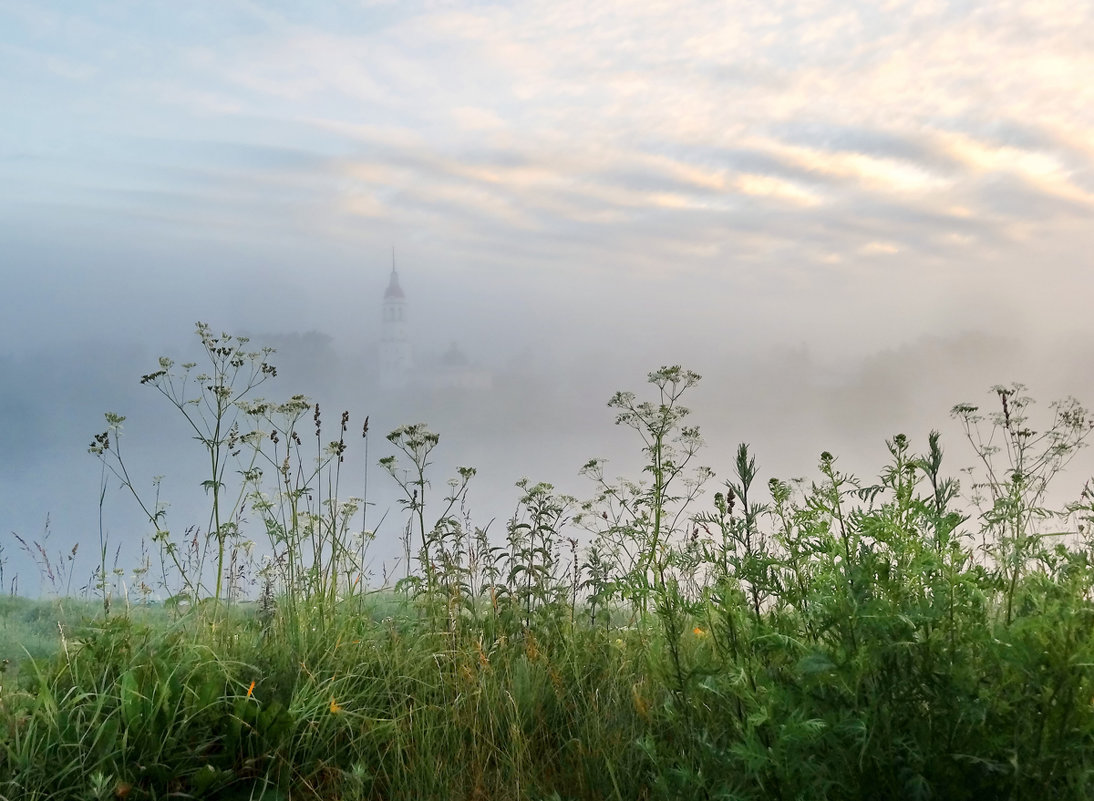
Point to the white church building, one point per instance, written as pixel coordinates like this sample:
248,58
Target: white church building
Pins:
398,369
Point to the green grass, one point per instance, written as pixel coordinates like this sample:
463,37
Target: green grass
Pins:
29,628
824,639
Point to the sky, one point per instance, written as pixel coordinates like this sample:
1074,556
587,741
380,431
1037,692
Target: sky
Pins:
887,194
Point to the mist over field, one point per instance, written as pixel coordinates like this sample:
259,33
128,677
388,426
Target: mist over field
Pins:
542,417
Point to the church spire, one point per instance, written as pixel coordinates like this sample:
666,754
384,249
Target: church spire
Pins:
394,291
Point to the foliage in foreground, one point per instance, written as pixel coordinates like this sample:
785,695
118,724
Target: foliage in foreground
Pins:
828,639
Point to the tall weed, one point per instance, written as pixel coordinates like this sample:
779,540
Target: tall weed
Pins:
837,637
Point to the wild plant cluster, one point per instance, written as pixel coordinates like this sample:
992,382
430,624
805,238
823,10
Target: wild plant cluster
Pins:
829,638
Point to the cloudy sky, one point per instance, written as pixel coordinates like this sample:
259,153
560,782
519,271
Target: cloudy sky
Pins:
649,177
860,170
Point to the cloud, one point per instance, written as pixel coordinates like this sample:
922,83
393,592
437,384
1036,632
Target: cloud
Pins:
809,141
879,249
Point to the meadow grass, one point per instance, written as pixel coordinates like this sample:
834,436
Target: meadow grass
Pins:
829,639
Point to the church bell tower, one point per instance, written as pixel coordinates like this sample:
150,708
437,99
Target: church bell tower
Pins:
395,352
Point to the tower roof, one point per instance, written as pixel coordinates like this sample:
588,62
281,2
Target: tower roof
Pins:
394,291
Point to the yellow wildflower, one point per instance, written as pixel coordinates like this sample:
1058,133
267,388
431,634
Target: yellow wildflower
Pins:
251,689
334,707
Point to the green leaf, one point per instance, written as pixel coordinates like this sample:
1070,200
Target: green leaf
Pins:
816,662
132,702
